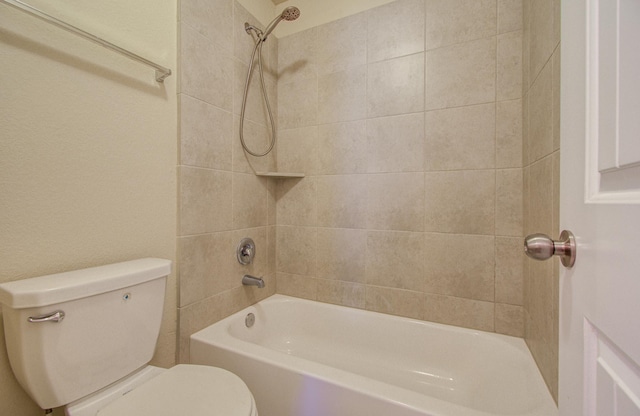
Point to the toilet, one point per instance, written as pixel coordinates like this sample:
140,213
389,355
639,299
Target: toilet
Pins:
83,340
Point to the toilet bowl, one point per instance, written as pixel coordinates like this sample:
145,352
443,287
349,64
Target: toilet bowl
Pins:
83,340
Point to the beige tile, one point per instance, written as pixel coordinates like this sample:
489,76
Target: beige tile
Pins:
342,96
541,303
255,107
171,300
212,19
509,134
460,201
296,250
460,265
526,291
195,317
297,104
205,201
257,138
272,194
341,293
243,43
206,266
509,320
541,323
192,319
205,134
457,21
509,66
395,144
342,201
395,29
555,85
526,131
555,186
526,201
395,201
249,200
395,301
299,286
206,69
296,202
395,259
462,74
396,86
509,263
509,202
526,45
542,35
460,138
297,55
541,116
466,313
298,150
541,197
342,44
340,148
509,15
271,249
341,254
165,353
270,59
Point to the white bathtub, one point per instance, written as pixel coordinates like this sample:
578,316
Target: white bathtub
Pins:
305,358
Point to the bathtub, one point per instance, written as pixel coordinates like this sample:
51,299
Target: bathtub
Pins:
305,358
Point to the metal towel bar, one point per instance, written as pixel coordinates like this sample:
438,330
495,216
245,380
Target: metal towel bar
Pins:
161,72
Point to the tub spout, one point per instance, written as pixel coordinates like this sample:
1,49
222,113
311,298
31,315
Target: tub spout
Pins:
252,281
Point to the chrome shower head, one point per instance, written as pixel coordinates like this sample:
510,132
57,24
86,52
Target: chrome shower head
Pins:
288,14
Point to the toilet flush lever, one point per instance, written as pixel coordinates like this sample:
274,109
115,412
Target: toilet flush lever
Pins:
541,247
56,316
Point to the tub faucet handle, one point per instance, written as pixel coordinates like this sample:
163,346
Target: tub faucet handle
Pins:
246,251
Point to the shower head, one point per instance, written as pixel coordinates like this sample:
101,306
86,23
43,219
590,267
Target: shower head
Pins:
288,14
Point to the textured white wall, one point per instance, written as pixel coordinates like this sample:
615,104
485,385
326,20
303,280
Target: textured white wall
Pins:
263,10
313,12
87,149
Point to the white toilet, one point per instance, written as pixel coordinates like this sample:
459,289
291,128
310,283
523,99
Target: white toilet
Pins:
83,340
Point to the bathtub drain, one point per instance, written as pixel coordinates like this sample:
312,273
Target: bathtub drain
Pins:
250,320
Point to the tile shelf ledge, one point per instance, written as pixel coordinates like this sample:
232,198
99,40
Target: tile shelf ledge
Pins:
280,175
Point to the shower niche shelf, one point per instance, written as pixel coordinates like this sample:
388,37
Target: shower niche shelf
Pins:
280,175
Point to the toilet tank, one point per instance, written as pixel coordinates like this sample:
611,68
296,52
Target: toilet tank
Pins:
112,317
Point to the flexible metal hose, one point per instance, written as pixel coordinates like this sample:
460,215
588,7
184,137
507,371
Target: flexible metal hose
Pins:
258,49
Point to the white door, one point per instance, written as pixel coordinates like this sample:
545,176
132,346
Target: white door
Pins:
600,204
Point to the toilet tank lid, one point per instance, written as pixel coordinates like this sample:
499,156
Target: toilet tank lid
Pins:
63,287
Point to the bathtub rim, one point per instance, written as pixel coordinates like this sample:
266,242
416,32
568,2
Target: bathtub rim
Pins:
361,384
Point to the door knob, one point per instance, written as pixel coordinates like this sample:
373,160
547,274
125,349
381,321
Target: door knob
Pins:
541,247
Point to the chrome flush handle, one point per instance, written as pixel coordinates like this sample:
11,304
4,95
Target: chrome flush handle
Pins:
56,316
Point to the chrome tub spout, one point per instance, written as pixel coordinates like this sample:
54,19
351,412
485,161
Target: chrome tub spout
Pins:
249,280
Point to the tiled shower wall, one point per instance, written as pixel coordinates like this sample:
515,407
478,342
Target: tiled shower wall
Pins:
406,120
220,199
541,160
